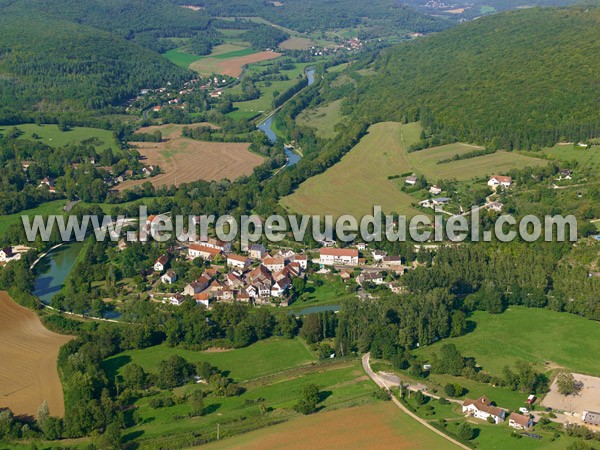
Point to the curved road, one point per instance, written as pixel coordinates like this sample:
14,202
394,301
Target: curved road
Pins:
381,383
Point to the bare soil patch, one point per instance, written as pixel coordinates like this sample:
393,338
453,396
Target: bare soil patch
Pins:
379,426
587,400
231,66
185,160
28,353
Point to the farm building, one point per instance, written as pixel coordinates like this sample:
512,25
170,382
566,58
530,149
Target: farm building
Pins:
343,256
520,422
203,251
499,180
591,418
482,408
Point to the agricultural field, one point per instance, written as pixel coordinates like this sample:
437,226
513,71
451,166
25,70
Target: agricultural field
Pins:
51,135
360,179
28,351
323,119
185,160
426,162
297,43
588,157
547,339
381,424
54,207
232,63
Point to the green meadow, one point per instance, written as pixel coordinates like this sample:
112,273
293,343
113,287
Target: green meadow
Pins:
539,336
51,135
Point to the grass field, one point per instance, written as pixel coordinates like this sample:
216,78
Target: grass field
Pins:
332,292
274,372
530,334
54,207
184,160
323,119
297,43
425,162
52,136
588,157
28,351
359,180
382,425
262,358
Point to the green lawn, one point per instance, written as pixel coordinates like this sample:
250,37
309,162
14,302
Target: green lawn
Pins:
181,58
331,292
588,157
530,334
52,136
264,357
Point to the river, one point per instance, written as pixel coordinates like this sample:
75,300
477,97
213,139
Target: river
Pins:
52,270
266,126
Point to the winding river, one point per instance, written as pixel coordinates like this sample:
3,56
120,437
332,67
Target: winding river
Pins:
266,126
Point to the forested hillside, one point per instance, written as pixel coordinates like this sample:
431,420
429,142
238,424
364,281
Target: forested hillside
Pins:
47,62
513,80
310,15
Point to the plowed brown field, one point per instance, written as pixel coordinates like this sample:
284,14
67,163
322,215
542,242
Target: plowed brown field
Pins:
185,160
28,353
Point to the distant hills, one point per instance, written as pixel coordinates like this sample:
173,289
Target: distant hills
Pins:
512,80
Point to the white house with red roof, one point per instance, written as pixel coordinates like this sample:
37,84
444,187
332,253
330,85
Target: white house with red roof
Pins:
342,256
499,180
482,408
239,261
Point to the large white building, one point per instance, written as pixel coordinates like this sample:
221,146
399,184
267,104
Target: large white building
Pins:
342,256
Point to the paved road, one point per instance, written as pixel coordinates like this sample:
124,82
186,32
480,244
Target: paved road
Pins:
381,383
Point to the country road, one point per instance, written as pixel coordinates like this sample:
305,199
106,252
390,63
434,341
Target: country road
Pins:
381,383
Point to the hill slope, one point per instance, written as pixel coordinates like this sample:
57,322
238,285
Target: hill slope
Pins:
47,63
510,80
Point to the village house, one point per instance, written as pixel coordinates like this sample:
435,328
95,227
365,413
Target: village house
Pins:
160,263
435,190
242,296
7,254
370,277
233,280
395,288
174,299
342,256
274,264
257,251
519,421
361,246
203,298
378,255
280,287
327,242
49,183
591,418
494,206
499,180
345,275
482,408
412,180
392,261
302,261
234,260
202,251
169,278
426,203
565,174
195,287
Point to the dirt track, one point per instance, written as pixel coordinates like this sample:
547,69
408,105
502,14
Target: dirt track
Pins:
28,353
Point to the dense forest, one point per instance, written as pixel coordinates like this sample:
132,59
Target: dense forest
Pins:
513,80
44,66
